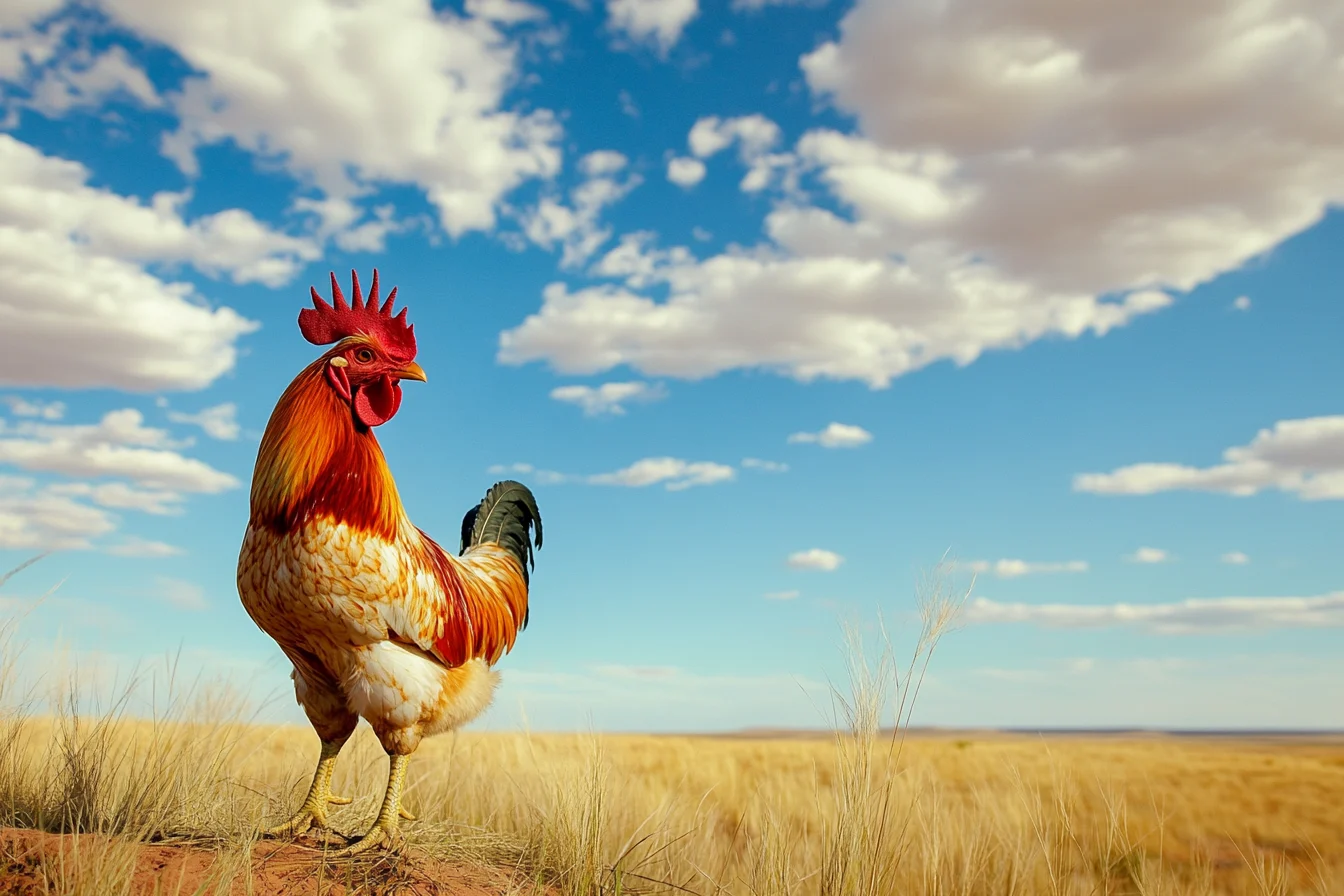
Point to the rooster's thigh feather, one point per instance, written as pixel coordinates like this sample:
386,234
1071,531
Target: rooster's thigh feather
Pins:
326,707
407,695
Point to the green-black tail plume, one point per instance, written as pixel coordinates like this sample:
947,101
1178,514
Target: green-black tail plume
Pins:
504,516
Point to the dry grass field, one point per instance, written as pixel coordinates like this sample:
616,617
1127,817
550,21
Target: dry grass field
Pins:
171,806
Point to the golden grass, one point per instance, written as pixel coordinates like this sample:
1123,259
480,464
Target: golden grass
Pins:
859,813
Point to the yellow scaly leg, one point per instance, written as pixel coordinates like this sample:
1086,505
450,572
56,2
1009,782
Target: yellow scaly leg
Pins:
386,830
312,815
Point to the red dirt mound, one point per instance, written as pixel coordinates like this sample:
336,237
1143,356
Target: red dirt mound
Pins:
34,862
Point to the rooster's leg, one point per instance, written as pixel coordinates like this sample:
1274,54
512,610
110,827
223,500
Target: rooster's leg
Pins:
386,830
312,815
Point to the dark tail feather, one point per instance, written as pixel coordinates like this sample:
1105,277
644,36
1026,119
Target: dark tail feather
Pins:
505,516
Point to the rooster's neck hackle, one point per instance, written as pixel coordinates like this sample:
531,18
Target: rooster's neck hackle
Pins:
316,462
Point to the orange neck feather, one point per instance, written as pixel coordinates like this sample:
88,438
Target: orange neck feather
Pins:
316,462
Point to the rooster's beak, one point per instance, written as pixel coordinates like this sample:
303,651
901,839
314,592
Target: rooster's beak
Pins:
412,371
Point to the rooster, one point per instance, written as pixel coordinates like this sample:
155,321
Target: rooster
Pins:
377,619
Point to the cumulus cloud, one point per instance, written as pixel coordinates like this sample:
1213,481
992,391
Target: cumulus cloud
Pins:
120,496
657,22
1016,175
542,477
86,80
1235,558
753,134
119,445
1149,555
765,466
1193,616
22,407
1099,130
1011,569
78,310
218,422
676,474
815,558
1304,457
45,196
837,316
754,5
685,171
576,227
608,398
835,435
1242,303
509,12
32,518
421,104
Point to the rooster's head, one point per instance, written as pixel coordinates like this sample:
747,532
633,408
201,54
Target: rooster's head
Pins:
374,350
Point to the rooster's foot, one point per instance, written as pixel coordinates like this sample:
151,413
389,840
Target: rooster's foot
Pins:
382,834
311,819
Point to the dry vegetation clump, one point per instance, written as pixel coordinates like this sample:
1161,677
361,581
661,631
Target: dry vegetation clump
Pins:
170,805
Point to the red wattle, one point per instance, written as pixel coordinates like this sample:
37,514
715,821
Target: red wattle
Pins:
377,402
339,381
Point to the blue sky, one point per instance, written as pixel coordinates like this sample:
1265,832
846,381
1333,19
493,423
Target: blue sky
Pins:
773,304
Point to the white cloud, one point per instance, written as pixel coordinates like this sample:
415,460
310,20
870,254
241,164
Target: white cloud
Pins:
1011,569
674,473
576,227
140,547
765,466
685,171
119,445
354,228
603,162
1016,175
1149,555
677,474
43,196
782,595
1304,457
120,496
834,316
608,398
815,558
85,80
1242,303
627,103
1104,144
180,593
1235,558
218,422
659,22
753,5
22,45
508,12
78,311
351,96
531,473
38,519
22,407
1192,616
835,435
754,135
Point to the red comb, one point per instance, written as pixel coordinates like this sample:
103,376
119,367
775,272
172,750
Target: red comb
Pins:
324,324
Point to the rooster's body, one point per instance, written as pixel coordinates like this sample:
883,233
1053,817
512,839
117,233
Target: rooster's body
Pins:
378,620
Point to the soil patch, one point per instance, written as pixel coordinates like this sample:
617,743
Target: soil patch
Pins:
35,862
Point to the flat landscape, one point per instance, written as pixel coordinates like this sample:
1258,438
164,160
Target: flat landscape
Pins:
925,811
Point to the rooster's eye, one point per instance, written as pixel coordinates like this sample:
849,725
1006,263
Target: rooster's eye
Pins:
363,356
